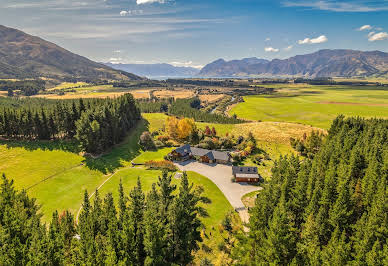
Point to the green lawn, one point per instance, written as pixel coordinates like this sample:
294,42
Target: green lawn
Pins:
314,105
152,155
156,120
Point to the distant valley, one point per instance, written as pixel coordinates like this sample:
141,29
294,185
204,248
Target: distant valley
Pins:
156,70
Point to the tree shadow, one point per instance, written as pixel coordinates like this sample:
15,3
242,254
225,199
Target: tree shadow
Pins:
63,145
106,163
120,154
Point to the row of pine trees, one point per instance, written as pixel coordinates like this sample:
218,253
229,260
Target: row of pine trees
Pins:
97,124
329,210
162,228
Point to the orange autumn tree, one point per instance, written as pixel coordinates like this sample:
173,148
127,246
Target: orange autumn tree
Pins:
180,128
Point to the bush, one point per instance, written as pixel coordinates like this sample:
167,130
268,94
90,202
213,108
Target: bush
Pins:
146,141
161,165
159,144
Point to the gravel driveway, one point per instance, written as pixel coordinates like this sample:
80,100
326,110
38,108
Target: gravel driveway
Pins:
221,175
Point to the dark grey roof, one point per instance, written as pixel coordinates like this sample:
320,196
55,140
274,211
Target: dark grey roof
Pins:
244,170
199,151
219,155
212,155
184,150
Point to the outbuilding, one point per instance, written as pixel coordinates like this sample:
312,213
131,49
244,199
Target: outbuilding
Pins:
247,174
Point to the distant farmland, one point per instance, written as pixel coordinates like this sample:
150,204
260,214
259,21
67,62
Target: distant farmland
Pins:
314,105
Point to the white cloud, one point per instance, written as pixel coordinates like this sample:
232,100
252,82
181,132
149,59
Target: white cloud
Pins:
186,64
123,13
365,27
378,36
267,39
140,2
288,48
337,6
320,39
117,51
371,33
271,49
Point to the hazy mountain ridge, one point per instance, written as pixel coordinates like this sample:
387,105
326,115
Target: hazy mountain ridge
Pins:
26,56
156,70
221,67
324,63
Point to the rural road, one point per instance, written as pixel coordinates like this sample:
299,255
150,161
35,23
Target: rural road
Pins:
221,176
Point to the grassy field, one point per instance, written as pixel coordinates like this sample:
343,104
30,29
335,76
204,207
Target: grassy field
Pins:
152,155
314,105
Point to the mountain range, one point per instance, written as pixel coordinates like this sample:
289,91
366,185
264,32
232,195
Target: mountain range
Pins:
156,70
26,56
324,63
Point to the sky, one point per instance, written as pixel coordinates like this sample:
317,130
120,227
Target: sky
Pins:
196,32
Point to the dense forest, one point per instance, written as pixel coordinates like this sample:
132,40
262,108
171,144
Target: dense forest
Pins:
97,123
329,210
162,228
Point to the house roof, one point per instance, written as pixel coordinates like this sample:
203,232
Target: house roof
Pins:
212,155
244,170
183,150
238,175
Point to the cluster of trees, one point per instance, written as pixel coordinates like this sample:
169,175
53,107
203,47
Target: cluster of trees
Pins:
26,87
154,105
96,123
104,125
162,228
308,146
184,108
329,210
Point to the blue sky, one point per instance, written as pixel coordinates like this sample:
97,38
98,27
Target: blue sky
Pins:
195,32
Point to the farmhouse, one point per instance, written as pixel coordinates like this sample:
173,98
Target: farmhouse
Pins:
187,152
246,174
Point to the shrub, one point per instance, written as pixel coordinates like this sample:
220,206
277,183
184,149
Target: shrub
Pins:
159,144
161,165
146,141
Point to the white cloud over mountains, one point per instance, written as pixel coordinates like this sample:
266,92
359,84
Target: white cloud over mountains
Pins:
271,50
141,2
372,37
320,39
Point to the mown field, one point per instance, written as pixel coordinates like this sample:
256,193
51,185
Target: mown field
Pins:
314,105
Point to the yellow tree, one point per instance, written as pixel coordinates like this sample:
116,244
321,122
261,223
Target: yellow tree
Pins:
185,128
172,127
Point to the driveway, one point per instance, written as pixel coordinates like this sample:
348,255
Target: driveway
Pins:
221,175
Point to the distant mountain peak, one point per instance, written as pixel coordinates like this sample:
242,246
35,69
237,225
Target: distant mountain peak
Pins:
323,63
26,56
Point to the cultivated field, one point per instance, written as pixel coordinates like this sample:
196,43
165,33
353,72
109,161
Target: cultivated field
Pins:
314,105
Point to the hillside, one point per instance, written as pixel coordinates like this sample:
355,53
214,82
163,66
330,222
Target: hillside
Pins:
156,70
324,63
222,68
26,56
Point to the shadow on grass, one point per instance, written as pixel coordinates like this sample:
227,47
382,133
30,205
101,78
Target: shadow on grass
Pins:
69,146
106,163
124,152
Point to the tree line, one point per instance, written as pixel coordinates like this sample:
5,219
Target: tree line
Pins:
26,87
189,108
162,228
329,210
97,123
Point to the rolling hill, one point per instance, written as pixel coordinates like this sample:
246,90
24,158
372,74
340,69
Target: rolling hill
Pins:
26,56
324,63
156,70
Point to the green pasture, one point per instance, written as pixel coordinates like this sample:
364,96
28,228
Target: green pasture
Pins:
152,155
314,105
